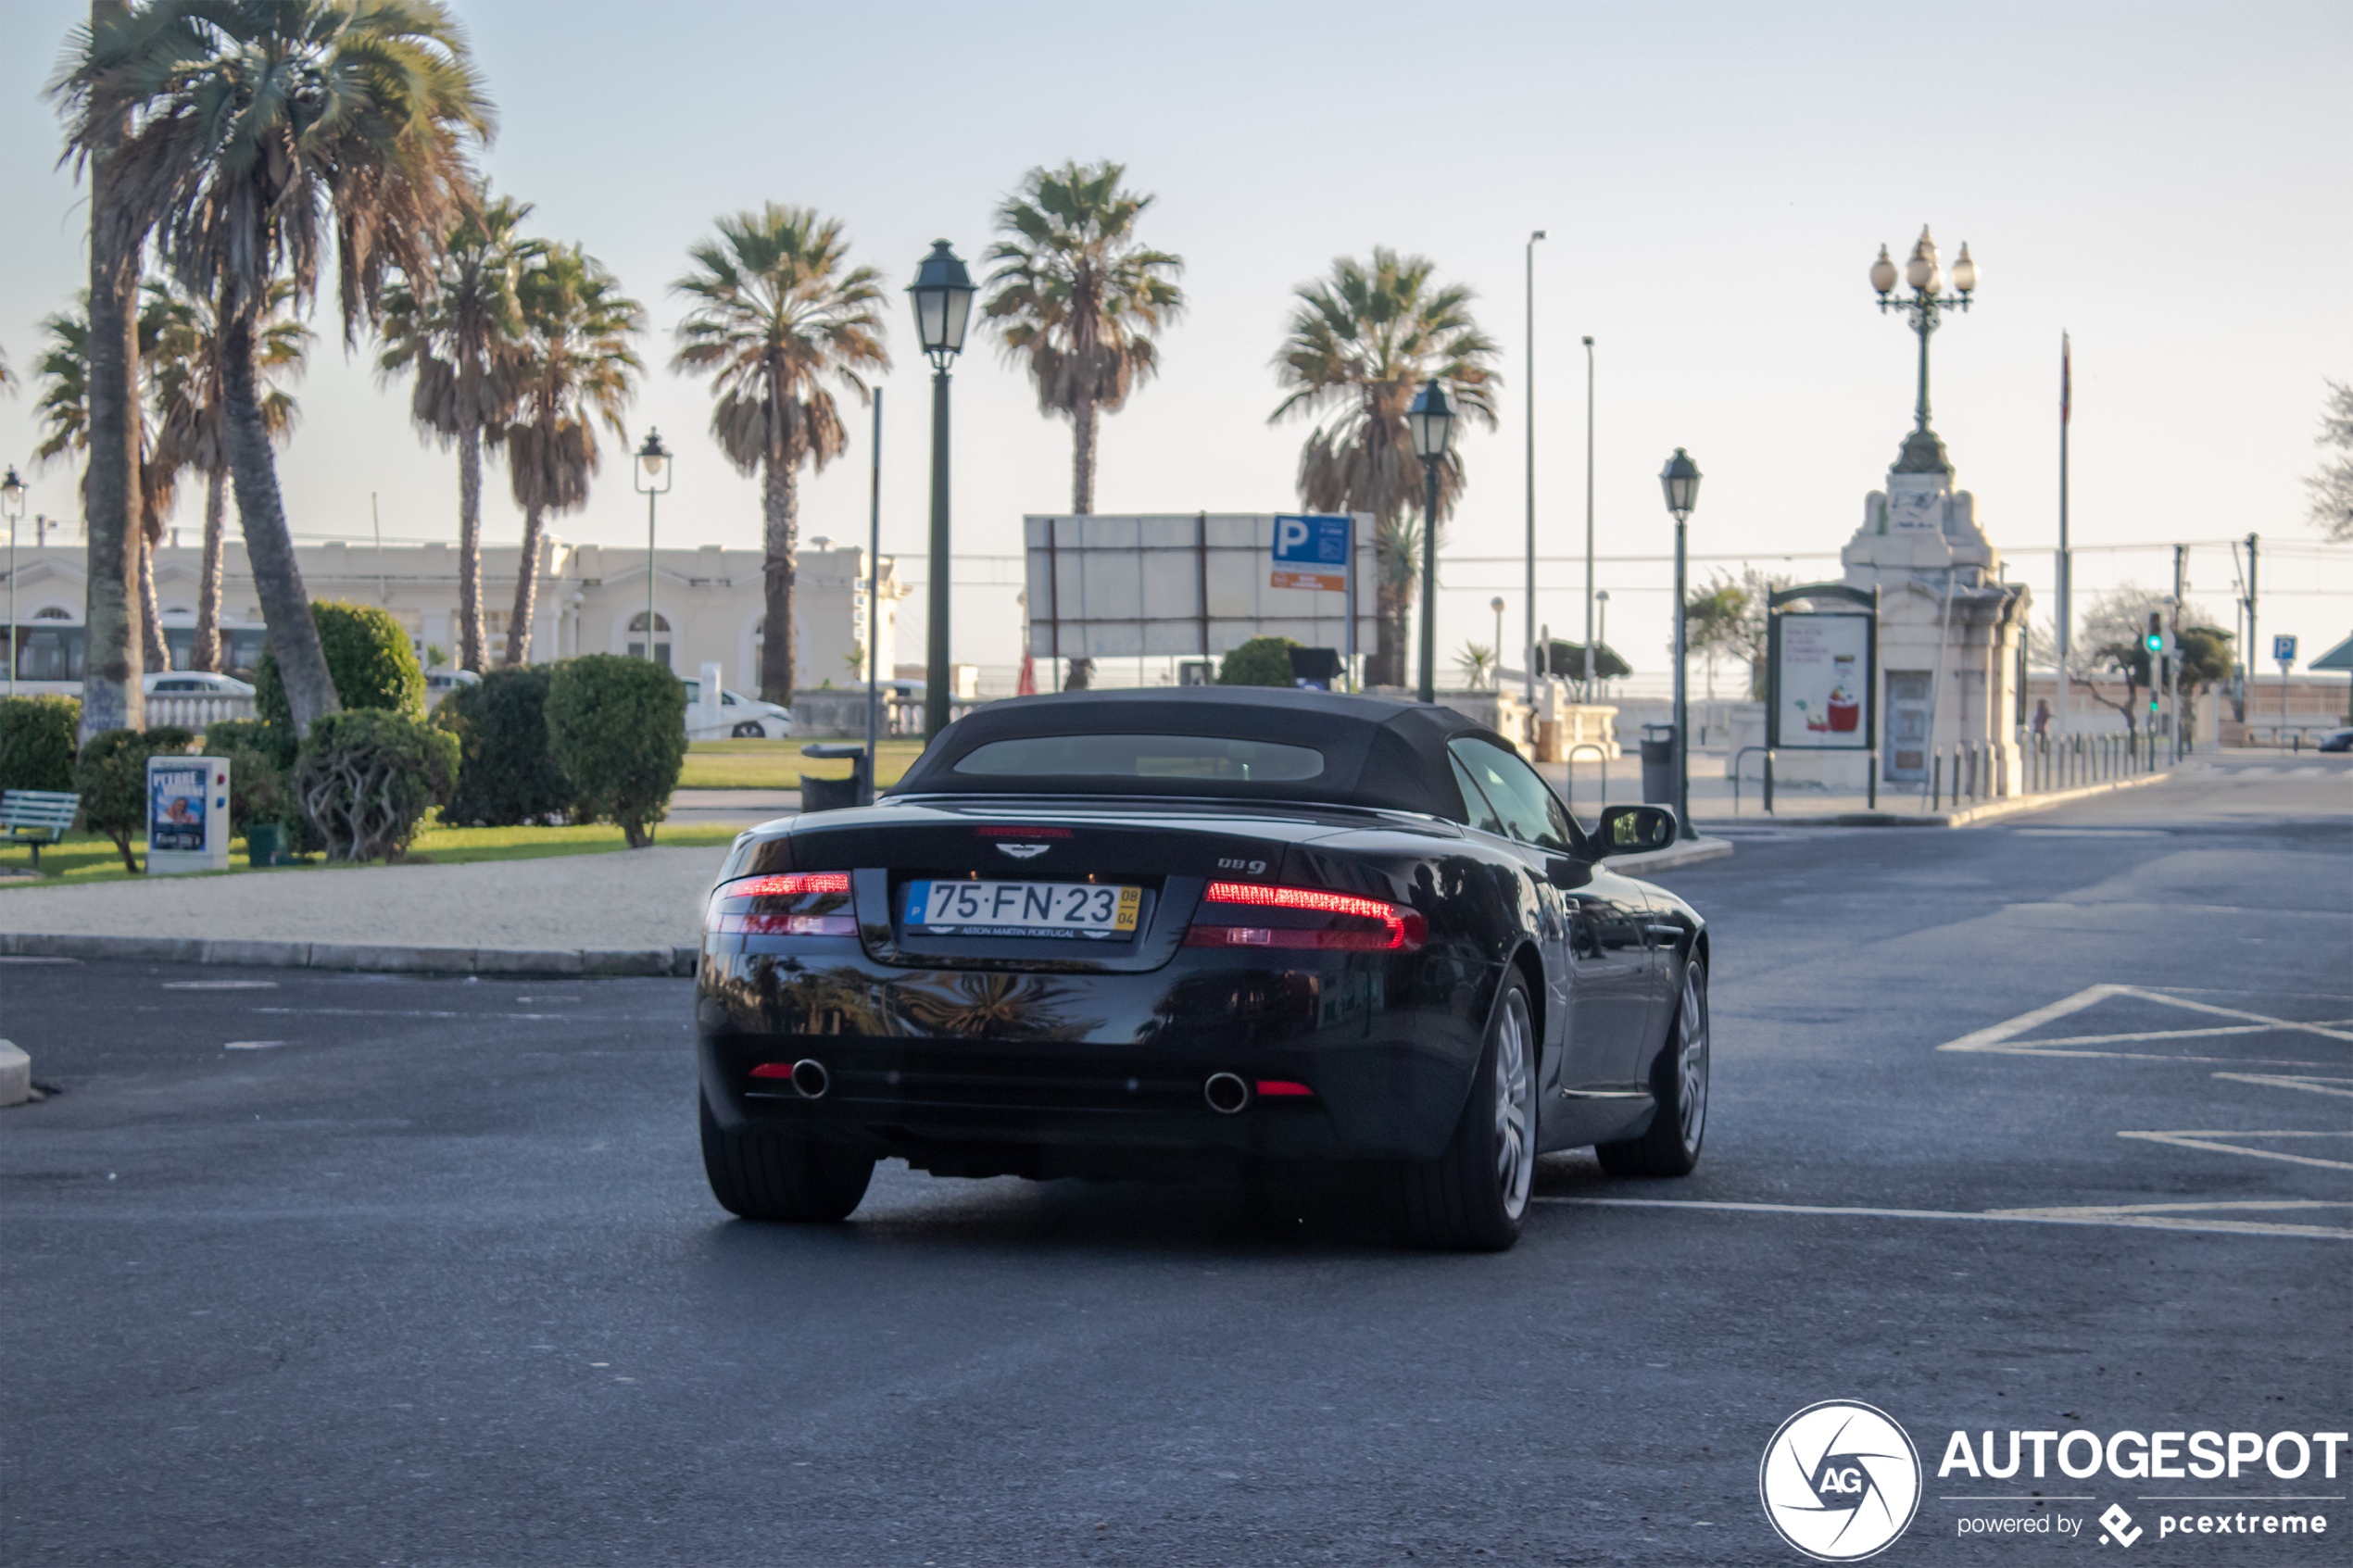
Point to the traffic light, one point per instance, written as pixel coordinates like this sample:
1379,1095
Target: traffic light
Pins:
2155,640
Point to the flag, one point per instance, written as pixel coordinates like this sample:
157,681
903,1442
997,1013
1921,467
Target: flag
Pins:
2066,379
1027,687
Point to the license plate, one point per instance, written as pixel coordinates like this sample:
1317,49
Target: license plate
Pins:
1023,908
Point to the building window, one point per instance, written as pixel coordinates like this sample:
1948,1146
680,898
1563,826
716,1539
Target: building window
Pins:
661,638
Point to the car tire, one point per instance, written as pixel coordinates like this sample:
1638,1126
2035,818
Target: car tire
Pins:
751,729
775,1176
1678,1085
1474,1197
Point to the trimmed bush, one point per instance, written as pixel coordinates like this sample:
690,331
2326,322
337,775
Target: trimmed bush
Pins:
274,741
507,775
112,777
367,778
618,727
1262,661
36,742
367,657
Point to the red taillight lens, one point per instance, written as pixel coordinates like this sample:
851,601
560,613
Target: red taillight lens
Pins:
1280,1087
792,884
1401,929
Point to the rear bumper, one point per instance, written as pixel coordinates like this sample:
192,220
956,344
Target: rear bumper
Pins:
974,1072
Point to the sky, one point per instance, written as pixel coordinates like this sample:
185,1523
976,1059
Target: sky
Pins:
2160,181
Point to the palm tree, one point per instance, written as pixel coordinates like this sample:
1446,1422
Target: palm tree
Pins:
461,329
1360,343
64,412
259,130
1078,297
577,368
776,309
191,413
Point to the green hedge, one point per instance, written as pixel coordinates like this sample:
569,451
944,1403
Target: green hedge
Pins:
36,742
112,777
618,727
1262,661
508,775
367,778
367,657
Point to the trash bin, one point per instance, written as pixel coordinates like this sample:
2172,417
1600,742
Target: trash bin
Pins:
1658,764
838,795
261,844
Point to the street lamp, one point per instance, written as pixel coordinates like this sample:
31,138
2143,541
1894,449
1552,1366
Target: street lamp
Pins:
1431,422
1589,521
1593,647
1679,478
1926,306
942,294
1496,604
652,478
12,507
1528,654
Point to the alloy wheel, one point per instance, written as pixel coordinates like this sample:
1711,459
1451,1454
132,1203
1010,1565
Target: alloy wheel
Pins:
1691,1064
1514,1106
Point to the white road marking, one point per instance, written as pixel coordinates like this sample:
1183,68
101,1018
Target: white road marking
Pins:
2003,1038
2203,1139
252,1045
220,985
2130,1218
2285,1080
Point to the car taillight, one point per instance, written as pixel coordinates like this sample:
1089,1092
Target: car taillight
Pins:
1390,928
787,904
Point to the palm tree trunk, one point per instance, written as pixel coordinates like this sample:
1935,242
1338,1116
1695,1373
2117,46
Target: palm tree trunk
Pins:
781,504
1388,632
1082,457
277,576
527,589
151,613
111,698
469,635
204,654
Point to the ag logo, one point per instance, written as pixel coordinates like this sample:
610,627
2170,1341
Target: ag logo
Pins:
1022,851
1840,1481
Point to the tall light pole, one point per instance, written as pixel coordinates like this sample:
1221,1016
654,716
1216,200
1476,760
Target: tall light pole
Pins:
1496,604
12,507
1589,521
1679,478
942,294
1528,654
1926,306
652,478
1594,646
1431,420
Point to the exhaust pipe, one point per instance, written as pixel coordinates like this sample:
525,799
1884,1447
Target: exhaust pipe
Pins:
1226,1094
809,1079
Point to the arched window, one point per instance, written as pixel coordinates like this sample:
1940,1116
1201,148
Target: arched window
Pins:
661,638
51,612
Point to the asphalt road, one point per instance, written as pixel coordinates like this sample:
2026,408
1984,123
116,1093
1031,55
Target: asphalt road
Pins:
308,1269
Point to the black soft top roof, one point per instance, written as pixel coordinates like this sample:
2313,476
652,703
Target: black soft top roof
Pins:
1377,751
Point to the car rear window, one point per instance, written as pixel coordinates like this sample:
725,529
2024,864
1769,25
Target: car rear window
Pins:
1142,757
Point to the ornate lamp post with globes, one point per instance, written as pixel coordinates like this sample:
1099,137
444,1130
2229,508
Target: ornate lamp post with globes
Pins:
652,478
1680,481
1926,305
942,294
1431,420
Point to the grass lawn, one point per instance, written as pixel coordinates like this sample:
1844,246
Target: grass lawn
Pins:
779,764
86,858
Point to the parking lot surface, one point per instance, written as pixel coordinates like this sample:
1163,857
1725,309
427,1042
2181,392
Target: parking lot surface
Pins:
2040,1125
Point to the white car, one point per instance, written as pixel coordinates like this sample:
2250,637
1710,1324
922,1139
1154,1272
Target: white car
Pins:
440,682
193,683
740,716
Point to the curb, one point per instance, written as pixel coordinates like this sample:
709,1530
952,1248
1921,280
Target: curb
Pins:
1968,817
1688,853
387,960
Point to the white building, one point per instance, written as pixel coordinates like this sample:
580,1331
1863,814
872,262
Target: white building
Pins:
708,603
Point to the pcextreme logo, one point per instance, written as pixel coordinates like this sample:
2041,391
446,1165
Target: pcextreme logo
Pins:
1840,1481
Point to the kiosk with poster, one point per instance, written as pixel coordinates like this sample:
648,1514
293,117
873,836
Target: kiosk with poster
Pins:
187,814
1821,671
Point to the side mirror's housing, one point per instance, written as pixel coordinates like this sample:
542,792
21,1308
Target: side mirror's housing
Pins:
1633,830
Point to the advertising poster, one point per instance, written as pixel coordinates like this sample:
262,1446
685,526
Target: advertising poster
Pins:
1824,685
176,798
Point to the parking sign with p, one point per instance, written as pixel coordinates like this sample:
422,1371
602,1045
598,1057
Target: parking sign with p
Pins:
1311,552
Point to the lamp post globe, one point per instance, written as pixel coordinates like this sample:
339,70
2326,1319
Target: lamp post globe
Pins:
1679,479
651,475
942,295
1431,421
1496,604
12,508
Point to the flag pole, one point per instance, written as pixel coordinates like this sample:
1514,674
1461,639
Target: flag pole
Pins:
2066,612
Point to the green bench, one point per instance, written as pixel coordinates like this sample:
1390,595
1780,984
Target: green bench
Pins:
37,817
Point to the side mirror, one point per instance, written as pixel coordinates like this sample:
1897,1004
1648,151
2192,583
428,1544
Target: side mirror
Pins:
1630,830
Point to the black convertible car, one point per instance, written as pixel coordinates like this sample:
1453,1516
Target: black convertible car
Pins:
1130,933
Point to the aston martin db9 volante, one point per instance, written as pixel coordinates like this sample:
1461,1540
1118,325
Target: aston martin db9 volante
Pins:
1146,933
